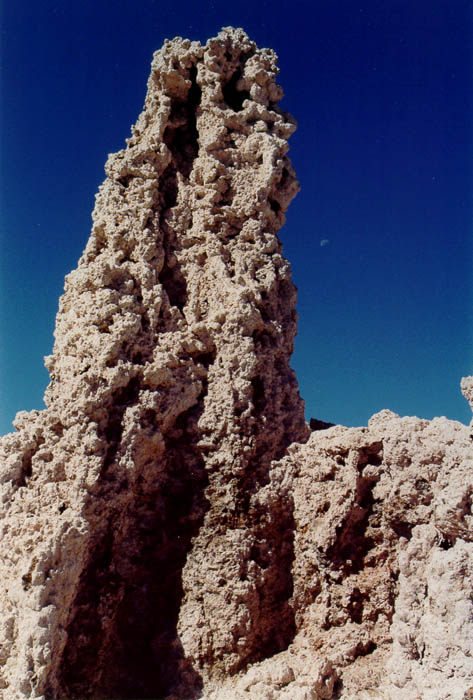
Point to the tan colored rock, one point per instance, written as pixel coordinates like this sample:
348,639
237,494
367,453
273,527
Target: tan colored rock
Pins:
467,391
383,562
126,503
168,526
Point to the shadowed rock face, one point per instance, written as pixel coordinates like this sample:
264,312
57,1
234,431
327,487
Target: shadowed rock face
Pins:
170,394
159,536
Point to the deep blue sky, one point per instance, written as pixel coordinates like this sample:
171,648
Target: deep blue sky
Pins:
382,93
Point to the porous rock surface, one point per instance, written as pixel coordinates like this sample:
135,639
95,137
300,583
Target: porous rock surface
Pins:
383,565
170,527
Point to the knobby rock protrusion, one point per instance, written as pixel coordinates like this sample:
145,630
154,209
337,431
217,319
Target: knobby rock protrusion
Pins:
163,410
170,526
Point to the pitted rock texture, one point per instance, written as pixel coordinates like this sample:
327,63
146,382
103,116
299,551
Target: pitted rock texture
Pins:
383,566
170,394
170,528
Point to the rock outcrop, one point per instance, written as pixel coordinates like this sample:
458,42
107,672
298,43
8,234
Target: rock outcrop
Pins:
170,526
383,566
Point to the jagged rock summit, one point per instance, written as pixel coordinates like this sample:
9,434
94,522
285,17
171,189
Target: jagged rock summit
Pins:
170,527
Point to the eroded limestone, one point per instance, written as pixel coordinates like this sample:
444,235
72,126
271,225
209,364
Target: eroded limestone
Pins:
169,528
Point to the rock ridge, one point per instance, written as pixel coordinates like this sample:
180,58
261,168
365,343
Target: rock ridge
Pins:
171,526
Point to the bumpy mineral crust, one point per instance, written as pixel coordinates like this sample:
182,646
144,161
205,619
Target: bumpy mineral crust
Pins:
134,564
168,527
383,565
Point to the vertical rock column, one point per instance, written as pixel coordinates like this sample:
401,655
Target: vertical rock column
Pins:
238,571
144,566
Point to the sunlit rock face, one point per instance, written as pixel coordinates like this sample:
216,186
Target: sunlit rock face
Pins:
141,565
383,564
170,528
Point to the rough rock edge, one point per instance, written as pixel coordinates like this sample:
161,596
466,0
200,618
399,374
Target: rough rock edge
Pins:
291,571
383,567
170,395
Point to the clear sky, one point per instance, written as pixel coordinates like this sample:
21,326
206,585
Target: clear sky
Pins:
380,236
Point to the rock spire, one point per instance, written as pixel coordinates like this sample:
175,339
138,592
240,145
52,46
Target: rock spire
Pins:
170,526
170,394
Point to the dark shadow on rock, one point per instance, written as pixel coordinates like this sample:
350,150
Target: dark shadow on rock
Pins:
316,424
122,637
